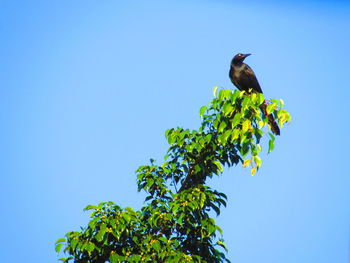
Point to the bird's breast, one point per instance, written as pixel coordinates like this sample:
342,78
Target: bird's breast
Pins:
237,71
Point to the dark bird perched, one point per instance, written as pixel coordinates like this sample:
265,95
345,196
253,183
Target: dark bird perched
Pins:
243,77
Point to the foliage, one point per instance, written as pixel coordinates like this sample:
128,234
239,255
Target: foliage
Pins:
176,224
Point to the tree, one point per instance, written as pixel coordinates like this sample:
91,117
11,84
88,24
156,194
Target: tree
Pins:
176,223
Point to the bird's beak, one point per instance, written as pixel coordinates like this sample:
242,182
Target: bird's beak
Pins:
247,55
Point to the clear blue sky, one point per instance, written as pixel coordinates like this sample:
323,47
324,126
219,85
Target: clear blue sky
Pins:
87,89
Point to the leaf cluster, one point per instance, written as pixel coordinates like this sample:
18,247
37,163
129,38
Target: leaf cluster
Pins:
176,223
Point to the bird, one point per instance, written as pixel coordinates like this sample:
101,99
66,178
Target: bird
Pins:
243,77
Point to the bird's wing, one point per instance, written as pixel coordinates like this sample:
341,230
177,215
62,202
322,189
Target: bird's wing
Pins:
248,80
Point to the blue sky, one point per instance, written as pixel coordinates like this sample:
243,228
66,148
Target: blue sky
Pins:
88,88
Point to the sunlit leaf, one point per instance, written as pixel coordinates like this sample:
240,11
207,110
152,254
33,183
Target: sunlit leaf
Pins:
208,137
236,119
261,124
235,134
219,166
281,103
246,125
270,108
90,207
246,163
222,126
58,247
257,161
224,94
202,110
60,240
226,135
261,98
221,244
253,98
215,90
253,171
227,109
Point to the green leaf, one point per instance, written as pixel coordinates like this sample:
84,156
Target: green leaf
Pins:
58,247
65,260
261,98
202,110
236,119
221,244
215,89
150,182
115,258
257,161
227,109
216,122
235,134
180,219
226,135
245,103
245,148
127,217
208,137
271,145
156,245
135,258
281,103
219,166
100,234
270,108
174,208
224,94
90,207
274,101
90,247
168,132
253,98
60,240
246,125
92,223
222,126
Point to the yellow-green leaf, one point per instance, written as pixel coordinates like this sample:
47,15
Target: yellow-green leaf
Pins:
270,108
219,166
253,171
235,134
202,110
224,94
261,98
215,89
281,103
227,109
60,240
246,125
222,126
246,163
261,124
257,161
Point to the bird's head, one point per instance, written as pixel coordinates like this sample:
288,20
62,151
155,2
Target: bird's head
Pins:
239,58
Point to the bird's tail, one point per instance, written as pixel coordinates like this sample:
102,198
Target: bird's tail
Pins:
273,124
